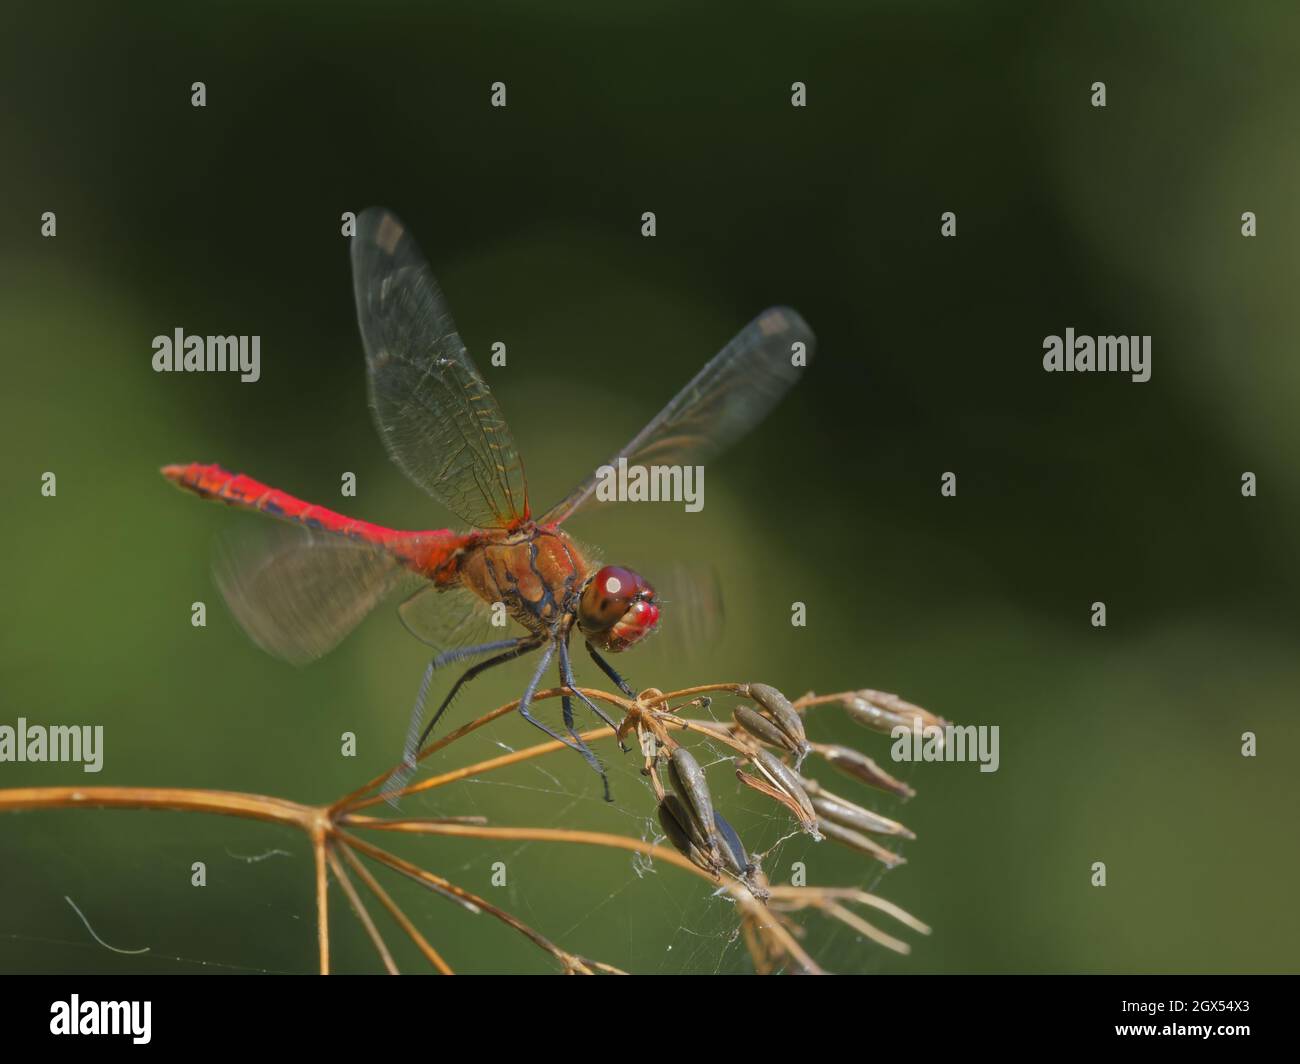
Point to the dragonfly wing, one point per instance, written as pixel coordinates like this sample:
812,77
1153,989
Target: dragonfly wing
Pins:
446,619
733,392
435,413
297,594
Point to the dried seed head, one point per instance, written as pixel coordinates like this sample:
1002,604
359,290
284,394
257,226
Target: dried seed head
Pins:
882,711
854,840
688,781
783,778
763,729
859,766
780,712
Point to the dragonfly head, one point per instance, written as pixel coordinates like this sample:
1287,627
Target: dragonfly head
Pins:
617,609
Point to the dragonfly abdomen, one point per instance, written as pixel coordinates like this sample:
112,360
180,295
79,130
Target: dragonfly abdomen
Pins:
213,482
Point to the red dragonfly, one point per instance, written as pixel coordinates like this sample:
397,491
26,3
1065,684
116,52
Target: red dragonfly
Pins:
300,595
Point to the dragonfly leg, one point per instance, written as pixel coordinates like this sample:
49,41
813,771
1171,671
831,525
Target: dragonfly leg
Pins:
610,671
415,737
577,745
566,678
566,704
513,648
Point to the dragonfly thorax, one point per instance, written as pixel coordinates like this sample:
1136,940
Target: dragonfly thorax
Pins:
617,609
535,573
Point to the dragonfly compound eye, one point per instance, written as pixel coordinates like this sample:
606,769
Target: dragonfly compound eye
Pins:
617,609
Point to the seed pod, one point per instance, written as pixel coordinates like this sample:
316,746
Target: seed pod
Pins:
763,729
873,716
783,778
779,710
671,817
850,814
882,711
836,810
733,851
688,781
859,766
855,841
676,822
741,864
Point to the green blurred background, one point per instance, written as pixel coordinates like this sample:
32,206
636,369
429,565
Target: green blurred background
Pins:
1119,745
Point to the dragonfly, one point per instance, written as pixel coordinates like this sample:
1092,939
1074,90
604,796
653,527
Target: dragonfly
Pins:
299,591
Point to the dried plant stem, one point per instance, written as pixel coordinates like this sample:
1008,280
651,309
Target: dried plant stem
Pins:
404,921
659,697
224,803
358,907
586,838
717,733
317,822
853,920
477,769
322,898
570,961
771,924
810,700
801,897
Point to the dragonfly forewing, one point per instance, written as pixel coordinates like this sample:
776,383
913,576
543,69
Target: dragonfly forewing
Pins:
435,412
